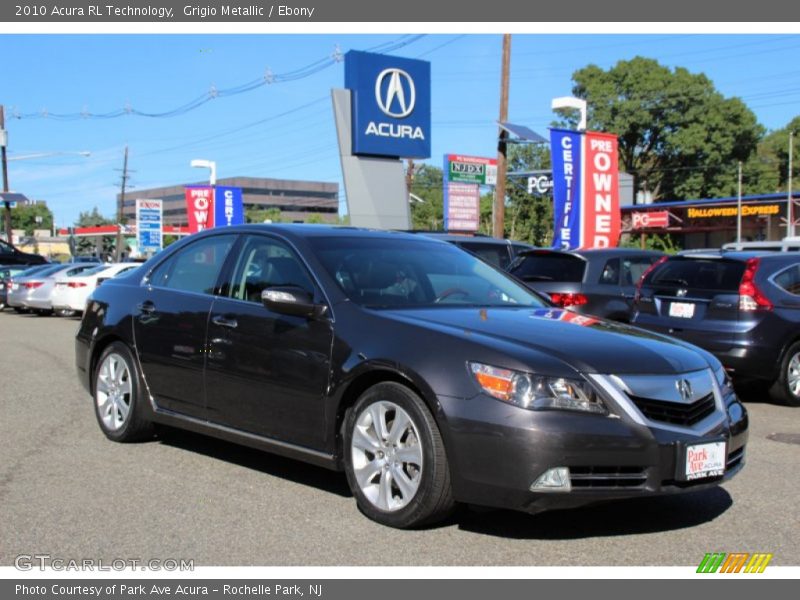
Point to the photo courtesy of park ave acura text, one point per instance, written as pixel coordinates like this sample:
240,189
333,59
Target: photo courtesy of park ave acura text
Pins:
386,299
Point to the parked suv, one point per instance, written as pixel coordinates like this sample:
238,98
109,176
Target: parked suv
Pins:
495,251
744,307
593,282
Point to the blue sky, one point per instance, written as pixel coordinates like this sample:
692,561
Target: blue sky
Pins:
249,134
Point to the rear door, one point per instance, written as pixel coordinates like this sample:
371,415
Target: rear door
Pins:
171,320
694,298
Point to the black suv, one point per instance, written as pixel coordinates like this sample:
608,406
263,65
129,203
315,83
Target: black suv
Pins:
9,255
744,307
593,282
495,251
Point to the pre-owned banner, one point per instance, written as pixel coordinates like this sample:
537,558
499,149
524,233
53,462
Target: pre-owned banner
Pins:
585,189
200,207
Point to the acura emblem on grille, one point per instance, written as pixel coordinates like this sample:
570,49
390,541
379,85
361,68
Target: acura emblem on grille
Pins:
684,389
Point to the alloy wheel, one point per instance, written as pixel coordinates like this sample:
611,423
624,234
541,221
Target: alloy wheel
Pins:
113,392
386,452
793,375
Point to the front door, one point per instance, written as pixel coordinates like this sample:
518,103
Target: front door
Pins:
267,373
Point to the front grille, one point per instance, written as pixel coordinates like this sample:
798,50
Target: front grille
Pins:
607,477
674,412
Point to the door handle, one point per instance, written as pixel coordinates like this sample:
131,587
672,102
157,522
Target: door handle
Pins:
224,322
146,307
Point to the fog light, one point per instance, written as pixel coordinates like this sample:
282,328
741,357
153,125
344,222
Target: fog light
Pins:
553,480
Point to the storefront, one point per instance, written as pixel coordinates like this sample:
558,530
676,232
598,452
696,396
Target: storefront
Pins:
712,222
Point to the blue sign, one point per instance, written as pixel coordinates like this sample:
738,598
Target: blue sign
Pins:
149,221
228,207
391,104
566,152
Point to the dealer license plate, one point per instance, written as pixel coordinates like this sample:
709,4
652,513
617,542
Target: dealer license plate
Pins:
705,460
684,310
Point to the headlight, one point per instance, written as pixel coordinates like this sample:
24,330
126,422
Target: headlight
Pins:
724,382
537,392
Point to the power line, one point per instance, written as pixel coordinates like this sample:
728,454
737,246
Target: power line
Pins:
268,78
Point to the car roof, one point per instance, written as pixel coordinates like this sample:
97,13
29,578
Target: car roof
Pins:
466,237
739,255
595,252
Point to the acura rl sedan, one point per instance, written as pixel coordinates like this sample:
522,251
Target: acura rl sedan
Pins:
428,376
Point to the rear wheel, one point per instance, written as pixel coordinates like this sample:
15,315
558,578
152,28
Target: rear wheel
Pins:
395,459
786,388
117,398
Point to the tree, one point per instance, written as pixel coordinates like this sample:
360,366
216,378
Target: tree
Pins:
773,154
262,215
102,247
678,135
427,185
24,217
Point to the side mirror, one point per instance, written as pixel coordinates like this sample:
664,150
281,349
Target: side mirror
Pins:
292,300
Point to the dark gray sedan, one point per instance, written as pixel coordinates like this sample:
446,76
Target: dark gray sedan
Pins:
426,375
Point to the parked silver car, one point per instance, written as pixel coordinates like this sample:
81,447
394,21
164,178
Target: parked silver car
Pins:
33,293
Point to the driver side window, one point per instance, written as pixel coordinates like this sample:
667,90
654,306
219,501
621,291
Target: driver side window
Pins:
265,262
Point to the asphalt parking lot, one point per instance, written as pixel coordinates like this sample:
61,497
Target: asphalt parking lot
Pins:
68,492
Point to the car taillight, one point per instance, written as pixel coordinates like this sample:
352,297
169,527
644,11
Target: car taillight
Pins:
638,293
750,297
32,285
76,284
569,299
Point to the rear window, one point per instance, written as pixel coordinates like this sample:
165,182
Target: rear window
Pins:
549,267
699,274
494,254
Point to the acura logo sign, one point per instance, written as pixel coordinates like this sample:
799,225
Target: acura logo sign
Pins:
684,389
398,97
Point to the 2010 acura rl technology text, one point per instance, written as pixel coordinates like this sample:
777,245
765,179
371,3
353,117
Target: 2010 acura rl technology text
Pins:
425,374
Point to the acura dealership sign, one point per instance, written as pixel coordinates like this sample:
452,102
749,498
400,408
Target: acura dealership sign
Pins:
391,104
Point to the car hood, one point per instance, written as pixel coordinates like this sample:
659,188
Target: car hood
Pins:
588,344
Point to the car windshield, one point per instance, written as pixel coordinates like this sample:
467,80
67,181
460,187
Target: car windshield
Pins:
380,272
46,272
95,270
548,266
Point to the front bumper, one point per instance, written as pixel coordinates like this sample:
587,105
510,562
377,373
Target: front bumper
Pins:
497,451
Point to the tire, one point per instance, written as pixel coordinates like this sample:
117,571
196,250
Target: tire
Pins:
786,388
399,476
43,312
118,403
66,312
19,310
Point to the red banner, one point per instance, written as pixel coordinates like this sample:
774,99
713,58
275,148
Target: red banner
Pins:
200,207
601,217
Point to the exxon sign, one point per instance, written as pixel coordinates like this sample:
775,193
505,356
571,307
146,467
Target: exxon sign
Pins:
391,103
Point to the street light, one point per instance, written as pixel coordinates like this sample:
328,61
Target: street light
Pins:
211,165
574,103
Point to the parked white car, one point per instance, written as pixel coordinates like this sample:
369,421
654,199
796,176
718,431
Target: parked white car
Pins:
70,293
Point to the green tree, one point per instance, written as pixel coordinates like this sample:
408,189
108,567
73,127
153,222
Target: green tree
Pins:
102,247
773,158
678,135
427,185
24,217
253,214
528,218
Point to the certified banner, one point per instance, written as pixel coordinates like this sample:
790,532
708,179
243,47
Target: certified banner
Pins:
200,207
585,189
565,148
228,207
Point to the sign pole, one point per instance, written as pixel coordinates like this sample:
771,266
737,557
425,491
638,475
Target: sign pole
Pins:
739,208
3,145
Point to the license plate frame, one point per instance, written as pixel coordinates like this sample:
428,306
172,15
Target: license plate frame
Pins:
695,466
682,310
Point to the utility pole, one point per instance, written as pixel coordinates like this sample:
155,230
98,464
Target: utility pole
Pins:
120,206
3,143
739,208
498,212
789,198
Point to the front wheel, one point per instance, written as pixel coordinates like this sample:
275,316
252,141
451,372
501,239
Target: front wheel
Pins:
117,399
395,459
786,388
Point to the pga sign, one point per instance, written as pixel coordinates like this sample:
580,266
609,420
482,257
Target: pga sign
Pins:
391,104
